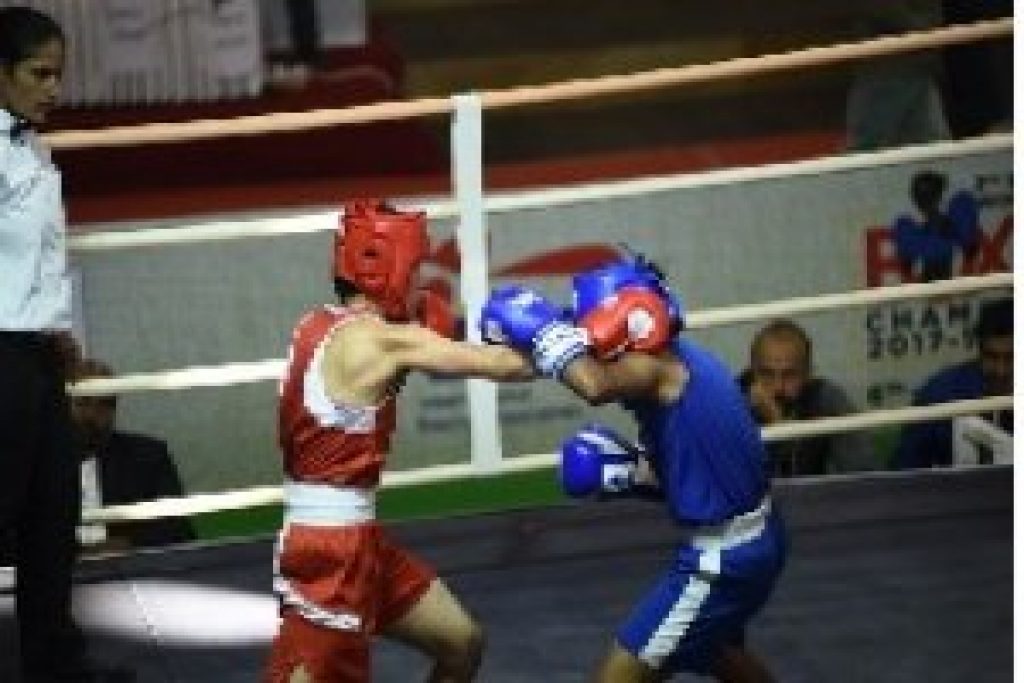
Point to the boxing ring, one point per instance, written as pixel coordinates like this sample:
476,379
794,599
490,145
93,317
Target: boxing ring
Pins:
892,576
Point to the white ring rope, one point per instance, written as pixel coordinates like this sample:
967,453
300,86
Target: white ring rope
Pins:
328,220
242,373
607,85
272,495
225,375
838,163
797,429
891,416
743,67
857,297
213,231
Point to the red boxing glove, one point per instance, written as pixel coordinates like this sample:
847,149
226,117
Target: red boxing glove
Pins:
634,319
433,312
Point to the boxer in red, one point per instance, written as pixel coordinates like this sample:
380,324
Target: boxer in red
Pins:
339,576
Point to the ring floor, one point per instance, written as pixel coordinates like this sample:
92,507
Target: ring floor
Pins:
891,577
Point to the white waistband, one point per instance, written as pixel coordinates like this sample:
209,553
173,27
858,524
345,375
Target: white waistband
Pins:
736,531
323,504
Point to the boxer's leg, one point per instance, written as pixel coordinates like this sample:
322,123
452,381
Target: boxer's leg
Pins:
621,666
736,664
440,626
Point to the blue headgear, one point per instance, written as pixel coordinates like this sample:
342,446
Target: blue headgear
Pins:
592,287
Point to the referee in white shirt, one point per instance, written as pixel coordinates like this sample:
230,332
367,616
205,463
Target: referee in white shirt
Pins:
40,496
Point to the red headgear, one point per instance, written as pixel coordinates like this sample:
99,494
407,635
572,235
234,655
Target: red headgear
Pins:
378,249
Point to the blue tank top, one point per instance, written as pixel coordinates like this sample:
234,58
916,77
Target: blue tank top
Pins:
705,447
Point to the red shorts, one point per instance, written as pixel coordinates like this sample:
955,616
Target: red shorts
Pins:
339,586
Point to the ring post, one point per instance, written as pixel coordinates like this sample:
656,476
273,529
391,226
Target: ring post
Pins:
467,176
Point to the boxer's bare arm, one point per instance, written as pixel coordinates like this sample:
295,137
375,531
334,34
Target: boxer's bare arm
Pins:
366,358
412,347
630,376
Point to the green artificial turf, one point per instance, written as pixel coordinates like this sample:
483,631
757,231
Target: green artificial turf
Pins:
443,499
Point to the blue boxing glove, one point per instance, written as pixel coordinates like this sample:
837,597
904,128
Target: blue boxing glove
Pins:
598,461
525,320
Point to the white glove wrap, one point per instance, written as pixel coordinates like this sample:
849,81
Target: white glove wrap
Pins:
557,345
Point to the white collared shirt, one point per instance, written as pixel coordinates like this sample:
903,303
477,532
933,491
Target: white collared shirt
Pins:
35,288
92,498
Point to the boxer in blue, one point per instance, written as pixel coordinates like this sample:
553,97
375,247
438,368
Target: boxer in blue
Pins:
700,452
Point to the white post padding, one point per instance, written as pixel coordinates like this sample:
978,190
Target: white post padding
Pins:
976,441
471,232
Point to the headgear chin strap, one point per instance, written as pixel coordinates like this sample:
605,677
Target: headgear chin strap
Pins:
378,249
595,288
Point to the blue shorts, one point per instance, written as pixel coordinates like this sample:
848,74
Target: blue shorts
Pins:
720,579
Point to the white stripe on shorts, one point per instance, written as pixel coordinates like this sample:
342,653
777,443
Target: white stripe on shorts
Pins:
675,624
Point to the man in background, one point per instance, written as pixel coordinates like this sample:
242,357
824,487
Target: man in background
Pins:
978,83
895,100
780,386
930,444
121,467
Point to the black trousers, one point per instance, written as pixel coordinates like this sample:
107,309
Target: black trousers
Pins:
40,496
304,29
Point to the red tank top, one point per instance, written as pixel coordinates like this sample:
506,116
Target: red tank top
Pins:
321,441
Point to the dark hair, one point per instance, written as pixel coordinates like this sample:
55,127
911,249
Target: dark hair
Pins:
22,31
345,289
781,328
995,319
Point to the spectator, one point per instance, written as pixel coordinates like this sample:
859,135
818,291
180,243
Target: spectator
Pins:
39,492
930,444
121,467
928,243
304,29
896,100
780,386
978,84
304,54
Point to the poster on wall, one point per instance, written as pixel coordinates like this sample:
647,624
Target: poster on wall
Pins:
972,208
